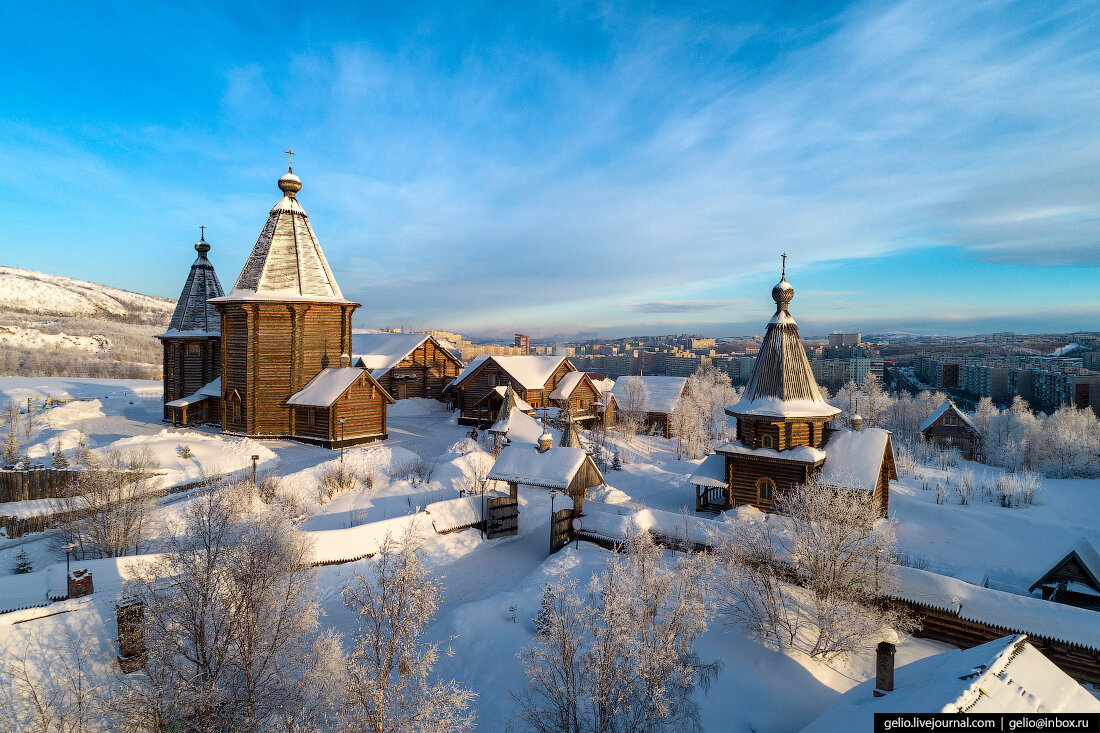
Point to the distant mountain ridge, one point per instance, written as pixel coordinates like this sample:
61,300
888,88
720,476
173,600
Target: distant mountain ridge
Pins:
36,293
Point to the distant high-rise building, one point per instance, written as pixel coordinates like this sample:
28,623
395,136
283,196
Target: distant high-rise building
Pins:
844,339
523,342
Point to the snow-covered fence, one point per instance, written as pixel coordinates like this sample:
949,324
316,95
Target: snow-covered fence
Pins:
34,483
455,514
333,546
967,615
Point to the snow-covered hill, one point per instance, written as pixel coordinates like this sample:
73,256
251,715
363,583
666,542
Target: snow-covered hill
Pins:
26,291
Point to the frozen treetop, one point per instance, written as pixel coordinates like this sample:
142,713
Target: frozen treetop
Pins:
328,385
938,413
530,372
711,472
1006,675
522,463
855,458
380,352
781,383
662,391
193,315
287,262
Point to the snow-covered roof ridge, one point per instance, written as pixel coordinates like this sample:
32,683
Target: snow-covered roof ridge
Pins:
938,413
1006,675
193,314
328,385
1086,555
855,457
662,391
522,463
287,260
380,352
530,372
568,384
213,389
800,453
781,383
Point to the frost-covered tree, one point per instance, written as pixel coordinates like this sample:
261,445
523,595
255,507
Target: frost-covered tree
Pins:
108,510
389,686
9,451
57,458
53,690
622,658
633,407
812,577
230,639
22,563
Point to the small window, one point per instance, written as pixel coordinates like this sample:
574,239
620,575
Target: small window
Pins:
194,349
493,379
950,420
312,418
767,442
765,489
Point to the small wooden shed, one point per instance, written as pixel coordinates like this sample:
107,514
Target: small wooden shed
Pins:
1074,579
949,427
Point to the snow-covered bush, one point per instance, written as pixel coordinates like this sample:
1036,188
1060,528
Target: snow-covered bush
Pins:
22,564
336,478
964,486
185,452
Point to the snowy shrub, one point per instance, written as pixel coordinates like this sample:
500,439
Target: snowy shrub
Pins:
369,476
948,458
414,469
185,452
941,493
903,459
267,486
920,562
22,564
336,478
964,487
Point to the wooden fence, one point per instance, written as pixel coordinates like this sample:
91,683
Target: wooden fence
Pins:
35,483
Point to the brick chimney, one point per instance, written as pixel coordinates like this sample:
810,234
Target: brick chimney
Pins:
857,422
884,668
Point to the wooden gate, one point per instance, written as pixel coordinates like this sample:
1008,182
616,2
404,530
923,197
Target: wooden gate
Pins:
561,529
503,517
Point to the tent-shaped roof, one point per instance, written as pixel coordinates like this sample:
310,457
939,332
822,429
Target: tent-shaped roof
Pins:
329,384
287,263
1087,559
193,315
938,413
782,384
1007,675
522,463
662,391
530,372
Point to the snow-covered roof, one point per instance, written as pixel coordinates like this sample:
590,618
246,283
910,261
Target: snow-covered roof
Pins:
193,315
567,385
214,389
711,472
855,458
663,391
1007,675
380,352
1087,557
1009,611
603,385
327,386
938,413
522,463
781,383
530,372
518,427
287,262
800,453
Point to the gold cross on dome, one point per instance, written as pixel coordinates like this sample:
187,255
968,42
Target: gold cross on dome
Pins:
784,264
202,236
290,160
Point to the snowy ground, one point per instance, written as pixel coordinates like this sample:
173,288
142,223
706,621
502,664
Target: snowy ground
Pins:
759,690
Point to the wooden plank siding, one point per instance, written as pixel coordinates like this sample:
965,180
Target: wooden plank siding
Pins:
189,365
423,373
743,475
581,404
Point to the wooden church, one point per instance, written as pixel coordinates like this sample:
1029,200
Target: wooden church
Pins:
785,433
285,335
192,347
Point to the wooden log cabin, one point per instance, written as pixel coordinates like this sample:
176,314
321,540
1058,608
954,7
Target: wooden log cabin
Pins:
286,326
1074,579
784,432
480,389
192,346
949,427
406,364
661,394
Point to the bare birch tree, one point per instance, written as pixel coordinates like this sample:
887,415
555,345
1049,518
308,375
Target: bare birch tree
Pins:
389,668
633,407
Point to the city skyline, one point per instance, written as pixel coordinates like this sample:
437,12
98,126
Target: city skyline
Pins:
579,171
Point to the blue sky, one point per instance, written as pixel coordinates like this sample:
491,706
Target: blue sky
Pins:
562,168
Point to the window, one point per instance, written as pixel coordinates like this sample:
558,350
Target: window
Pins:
535,403
194,349
767,442
312,418
493,379
765,489
950,420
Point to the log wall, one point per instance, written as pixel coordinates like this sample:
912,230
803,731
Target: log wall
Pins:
36,483
423,373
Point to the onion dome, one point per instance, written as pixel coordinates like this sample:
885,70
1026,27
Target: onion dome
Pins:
782,294
290,184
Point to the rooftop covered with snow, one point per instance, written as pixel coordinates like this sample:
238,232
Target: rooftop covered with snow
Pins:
555,468
1007,675
1087,558
855,458
325,388
380,352
663,391
711,472
938,413
530,372
194,316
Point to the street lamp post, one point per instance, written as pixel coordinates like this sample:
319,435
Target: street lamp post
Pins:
68,552
255,459
553,495
342,421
